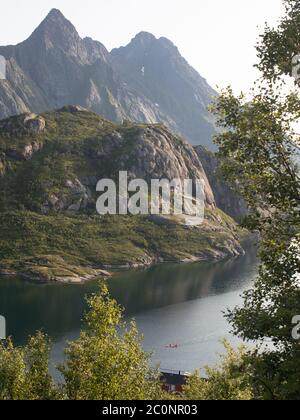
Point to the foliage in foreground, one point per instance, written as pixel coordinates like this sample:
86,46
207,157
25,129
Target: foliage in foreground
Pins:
101,365
230,380
259,146
24,371
104,364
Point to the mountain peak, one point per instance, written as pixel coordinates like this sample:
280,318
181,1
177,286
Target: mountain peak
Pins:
147,80
55,17
145,35
144,38
55,13
55,29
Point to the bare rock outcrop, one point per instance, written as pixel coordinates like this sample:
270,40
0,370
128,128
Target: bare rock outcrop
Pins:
148,80
226,198
151,153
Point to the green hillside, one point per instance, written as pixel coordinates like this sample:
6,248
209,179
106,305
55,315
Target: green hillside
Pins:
49,228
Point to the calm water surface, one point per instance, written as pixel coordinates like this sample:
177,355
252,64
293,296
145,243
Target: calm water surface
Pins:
178,305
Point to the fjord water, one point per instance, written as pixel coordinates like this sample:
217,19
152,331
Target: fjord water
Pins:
178,308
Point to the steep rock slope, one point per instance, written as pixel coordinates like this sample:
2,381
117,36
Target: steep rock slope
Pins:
53,161
54,67
226,198
49,166
155,68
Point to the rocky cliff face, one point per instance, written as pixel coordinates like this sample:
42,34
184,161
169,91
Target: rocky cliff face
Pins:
226,198
146,81
50,164
155,68
63,176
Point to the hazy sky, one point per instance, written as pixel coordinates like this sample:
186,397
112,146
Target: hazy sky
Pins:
217,37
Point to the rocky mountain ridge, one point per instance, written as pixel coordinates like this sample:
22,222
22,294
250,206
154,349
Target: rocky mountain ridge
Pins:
144,151
226,196
147,81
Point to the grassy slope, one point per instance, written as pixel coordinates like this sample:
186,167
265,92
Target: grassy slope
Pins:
62,246
67,145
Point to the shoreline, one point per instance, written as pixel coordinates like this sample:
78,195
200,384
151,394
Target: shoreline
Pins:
62,280
103,273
